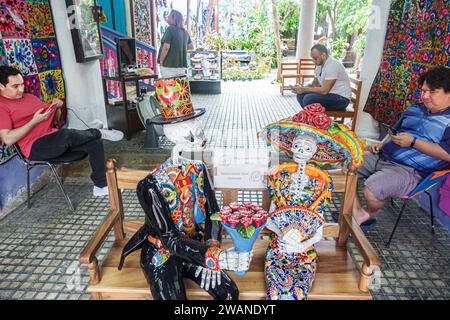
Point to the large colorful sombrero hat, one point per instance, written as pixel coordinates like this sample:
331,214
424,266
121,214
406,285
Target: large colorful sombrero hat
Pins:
174,97
337,145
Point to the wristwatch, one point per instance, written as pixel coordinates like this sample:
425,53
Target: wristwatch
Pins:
413,142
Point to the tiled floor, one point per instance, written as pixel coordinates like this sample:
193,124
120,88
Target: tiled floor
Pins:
39,248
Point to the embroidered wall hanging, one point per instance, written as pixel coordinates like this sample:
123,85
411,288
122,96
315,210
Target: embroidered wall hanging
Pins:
417,38
28,41
142,16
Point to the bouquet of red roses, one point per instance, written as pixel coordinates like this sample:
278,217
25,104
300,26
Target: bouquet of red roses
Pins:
243,222
245,218
313,115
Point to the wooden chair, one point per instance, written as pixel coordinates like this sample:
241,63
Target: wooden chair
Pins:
351,112
337,275
304,69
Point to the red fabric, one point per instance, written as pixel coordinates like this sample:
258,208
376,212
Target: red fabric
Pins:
15,113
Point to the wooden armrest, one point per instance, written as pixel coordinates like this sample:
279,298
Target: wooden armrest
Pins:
366,249
87,256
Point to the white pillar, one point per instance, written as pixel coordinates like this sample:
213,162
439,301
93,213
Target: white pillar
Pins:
366,126
306,24
83,81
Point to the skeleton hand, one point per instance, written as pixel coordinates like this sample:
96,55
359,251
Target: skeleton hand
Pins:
291,242
209,278
232,260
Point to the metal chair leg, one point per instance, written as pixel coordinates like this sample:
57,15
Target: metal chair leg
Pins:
61,187
28,187
431,210
396,223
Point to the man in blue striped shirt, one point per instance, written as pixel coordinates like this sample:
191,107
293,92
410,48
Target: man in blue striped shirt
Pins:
419,146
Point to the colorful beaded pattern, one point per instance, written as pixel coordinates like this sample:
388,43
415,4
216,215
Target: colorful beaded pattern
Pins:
183,191
212,258
336,146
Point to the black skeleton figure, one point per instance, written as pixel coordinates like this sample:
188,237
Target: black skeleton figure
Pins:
176,198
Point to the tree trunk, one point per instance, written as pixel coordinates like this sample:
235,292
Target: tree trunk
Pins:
216,17
276,23
209,16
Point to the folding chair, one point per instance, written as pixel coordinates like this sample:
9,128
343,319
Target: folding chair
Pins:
423,186
67,158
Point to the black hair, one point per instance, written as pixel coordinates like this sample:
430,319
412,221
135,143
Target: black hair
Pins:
7,71
437,78
321,48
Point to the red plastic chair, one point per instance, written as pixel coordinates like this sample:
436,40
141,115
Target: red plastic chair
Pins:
425,185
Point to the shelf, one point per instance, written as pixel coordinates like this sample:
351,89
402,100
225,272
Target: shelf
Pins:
130,78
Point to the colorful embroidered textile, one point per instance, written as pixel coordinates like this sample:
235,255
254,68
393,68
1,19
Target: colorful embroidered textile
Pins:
289,276
183,191
27,41
417,38
6,153
142,21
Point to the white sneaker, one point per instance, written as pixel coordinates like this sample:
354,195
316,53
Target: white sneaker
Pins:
100,192
111,135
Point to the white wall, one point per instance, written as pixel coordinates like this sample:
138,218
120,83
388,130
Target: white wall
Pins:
366,126
84,90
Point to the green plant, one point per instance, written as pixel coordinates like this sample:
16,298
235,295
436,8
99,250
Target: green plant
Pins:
255,35
338,50
288,11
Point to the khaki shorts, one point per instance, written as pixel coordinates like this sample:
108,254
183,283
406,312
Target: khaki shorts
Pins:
387,179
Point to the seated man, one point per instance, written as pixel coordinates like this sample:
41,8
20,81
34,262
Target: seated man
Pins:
331,85
420,146
27,121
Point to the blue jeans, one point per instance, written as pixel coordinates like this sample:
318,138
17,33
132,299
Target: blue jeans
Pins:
331,101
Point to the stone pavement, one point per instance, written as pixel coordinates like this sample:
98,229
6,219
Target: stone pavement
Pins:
39,247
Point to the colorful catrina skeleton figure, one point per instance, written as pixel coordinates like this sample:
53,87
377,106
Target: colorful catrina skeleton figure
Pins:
300,192
177,197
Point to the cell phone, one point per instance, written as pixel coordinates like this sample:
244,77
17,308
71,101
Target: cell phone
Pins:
51,107
390,130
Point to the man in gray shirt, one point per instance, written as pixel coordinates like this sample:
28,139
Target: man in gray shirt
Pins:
331,85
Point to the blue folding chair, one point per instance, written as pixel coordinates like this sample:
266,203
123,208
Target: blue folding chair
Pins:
425,185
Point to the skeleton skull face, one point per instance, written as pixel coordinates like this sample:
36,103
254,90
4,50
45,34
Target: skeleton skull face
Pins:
304,147
188,135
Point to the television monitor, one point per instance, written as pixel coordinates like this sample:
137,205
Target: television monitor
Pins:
126,54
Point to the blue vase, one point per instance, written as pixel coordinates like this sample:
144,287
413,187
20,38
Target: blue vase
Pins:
241,244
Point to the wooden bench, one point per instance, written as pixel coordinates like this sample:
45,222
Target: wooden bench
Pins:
337,275
351,112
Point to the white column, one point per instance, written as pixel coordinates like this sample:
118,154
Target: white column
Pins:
366,126
83,81
306,24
